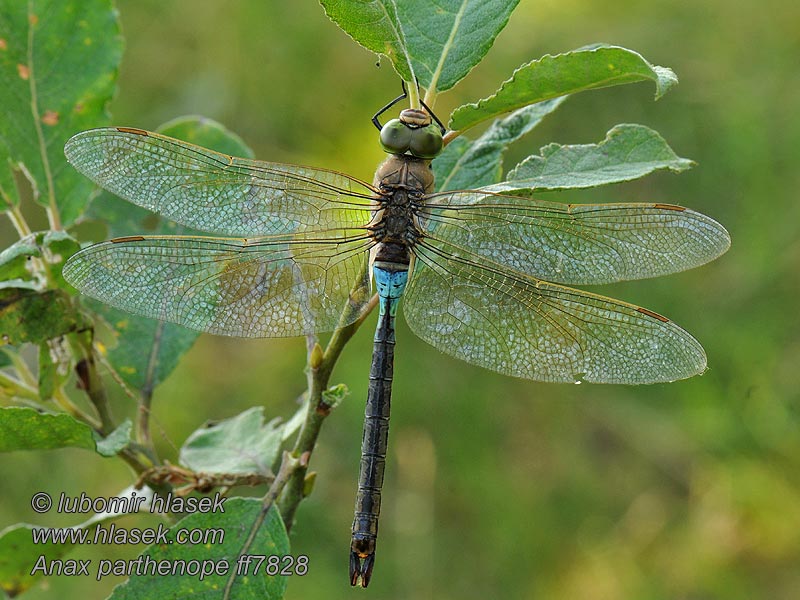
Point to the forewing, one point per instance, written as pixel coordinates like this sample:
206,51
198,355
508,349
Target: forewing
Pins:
574,243
277,286
215,192
521,326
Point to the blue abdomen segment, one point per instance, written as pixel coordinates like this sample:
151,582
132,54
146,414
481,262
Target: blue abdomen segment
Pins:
390,285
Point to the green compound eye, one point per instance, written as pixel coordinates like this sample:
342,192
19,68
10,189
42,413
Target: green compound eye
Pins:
426,142
396,137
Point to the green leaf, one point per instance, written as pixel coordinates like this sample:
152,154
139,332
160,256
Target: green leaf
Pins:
5,357
18,553
442,40
58,68
335,394
241,444
271,540
27,315
147,350
53,246
552,76
465,165
23,428
446,39
114,441
628,152
376,26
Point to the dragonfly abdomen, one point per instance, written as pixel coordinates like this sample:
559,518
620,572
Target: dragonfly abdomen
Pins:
390,279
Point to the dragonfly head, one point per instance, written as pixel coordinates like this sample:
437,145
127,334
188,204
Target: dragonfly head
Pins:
413,133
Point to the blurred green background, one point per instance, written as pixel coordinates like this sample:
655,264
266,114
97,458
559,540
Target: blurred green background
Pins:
502,488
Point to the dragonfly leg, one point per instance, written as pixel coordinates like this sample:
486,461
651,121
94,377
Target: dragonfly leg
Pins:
375,120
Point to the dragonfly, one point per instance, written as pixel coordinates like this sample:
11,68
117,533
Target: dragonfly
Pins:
483,276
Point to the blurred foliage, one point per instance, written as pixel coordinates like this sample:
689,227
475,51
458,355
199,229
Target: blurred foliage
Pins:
498,487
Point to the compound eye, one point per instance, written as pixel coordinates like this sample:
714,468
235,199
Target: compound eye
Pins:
395,137
426,142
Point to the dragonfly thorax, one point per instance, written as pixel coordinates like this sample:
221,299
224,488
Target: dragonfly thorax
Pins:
402,183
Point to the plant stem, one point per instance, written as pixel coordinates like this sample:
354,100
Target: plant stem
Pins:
18,220
90,380
21,367
64,402
413,94
450,136
146,396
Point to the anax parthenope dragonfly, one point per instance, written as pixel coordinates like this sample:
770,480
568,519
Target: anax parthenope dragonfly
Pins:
482,275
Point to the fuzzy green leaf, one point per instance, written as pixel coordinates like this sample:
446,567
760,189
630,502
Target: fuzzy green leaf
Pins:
239,513
58,68
628,152
552,76
241,444
147,350
23,428
442,40
465,164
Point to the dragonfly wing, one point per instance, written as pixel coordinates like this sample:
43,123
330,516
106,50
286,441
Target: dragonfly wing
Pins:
215,192
262,287
574,243
521,326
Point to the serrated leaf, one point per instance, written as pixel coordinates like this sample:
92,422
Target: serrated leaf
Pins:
27,315
241,444
628,152
147,350
552,76
271,540
23,428
476,164
18,552
58,69
442,40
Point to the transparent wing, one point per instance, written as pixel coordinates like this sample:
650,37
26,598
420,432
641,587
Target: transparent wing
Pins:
521,326
574,243
277,286
215,192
